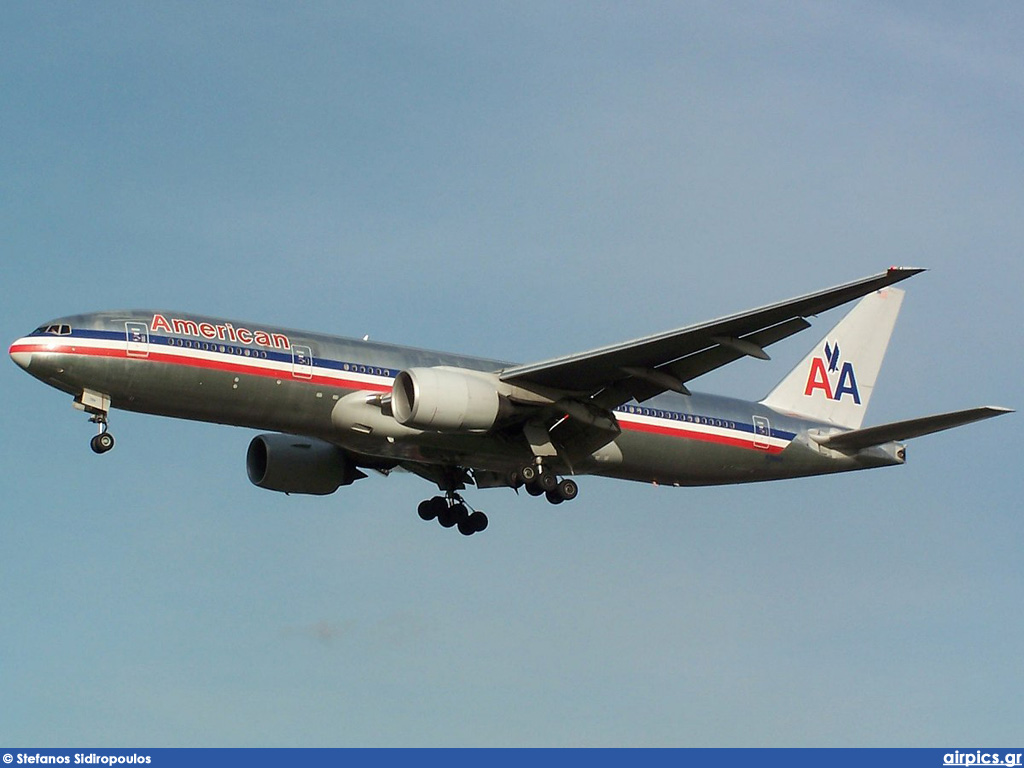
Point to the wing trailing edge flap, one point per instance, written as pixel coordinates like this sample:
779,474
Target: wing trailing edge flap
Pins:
643,387
868,437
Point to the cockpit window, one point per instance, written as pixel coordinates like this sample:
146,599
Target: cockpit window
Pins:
55,329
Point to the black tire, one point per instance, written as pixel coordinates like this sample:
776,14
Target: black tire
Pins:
528,473
447,517
460,512
102,442
466,527
554,497
479,521
434,506
533,489
568,489
426,510
547,481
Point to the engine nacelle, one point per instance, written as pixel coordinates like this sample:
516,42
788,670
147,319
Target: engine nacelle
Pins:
298,465
445,400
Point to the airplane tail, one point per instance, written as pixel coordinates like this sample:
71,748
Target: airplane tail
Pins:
835,381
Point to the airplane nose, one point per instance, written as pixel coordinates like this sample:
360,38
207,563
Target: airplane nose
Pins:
20,355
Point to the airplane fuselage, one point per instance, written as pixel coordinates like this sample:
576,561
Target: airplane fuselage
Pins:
248,375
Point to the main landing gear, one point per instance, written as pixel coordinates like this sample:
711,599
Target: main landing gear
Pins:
451,510
538,480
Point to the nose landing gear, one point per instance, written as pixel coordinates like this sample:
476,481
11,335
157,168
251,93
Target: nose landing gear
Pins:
97,405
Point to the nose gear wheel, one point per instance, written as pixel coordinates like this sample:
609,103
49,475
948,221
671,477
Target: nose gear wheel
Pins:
103,441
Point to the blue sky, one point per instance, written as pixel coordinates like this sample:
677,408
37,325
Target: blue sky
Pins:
518,181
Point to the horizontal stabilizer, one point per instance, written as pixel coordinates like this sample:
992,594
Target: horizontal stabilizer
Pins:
904,430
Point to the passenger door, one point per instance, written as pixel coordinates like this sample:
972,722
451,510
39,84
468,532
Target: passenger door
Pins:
302,362
137,335
762,433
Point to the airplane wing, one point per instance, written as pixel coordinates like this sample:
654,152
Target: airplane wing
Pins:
643,368
857,439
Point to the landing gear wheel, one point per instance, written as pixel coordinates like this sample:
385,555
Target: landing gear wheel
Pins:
528,473
460,511
102,442
568,490
554,497
448,517
533,489
430,508
479,521
547,481
473,523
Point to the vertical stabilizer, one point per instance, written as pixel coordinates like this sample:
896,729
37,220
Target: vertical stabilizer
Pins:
835,381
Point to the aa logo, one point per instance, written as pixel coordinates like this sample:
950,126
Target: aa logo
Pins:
823,376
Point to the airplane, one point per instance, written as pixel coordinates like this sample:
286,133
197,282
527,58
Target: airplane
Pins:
334,407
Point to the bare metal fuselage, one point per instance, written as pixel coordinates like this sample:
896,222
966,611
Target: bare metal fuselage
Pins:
228,372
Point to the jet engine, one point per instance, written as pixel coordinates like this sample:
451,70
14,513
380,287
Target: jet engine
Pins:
445,400
298,465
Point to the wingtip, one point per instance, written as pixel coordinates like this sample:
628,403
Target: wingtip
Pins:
907,271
